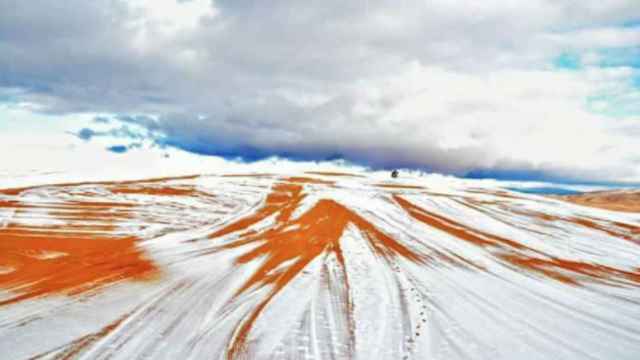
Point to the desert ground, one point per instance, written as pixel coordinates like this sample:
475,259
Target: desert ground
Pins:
618,200
315,265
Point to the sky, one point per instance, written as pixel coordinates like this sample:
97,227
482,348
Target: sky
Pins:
525,90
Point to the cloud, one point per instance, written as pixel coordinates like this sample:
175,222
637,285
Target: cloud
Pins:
449,86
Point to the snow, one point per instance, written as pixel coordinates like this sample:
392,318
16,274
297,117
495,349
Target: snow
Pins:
553,280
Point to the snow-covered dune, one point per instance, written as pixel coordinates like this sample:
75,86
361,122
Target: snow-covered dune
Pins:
313,265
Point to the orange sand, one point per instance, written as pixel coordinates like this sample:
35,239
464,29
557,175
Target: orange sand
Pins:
157,191
560,269
454,228
164,190
307,180
607,227
79,262
69,259
290,245
521,256
496,193
610,200
17,191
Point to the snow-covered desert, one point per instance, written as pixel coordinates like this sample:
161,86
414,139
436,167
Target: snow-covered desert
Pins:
319,180
312,265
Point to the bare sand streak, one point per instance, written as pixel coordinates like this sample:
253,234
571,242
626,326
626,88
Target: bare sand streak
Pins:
292,244
520,255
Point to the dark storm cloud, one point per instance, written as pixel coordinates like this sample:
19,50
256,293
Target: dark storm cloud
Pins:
305,80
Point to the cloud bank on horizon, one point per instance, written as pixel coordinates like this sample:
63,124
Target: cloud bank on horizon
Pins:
531,89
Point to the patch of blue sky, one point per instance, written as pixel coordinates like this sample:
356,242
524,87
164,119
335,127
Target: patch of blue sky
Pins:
617,57
635,81
623,102
615,106
103,126
118,149
567,61
631,23
7,97
86,134
521,179
10,95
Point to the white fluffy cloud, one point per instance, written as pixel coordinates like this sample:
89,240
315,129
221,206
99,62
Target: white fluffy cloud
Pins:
452,86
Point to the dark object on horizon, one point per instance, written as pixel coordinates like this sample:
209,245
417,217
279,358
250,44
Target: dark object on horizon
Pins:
394,174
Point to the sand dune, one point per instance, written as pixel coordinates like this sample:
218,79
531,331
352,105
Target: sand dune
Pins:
617,200
316,265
